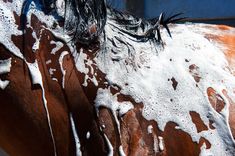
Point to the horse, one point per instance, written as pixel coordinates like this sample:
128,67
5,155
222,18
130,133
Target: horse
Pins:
80,78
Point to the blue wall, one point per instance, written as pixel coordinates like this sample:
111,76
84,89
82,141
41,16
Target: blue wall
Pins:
191,8
117,4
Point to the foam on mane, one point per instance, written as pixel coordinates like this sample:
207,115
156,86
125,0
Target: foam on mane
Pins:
81,15
78,16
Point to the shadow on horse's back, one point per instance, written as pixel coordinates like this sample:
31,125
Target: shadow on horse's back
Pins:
88,79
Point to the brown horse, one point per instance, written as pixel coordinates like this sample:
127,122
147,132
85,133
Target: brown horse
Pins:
78,78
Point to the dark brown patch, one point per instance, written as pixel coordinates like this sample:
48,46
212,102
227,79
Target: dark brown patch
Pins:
200,125
186,60
7,1
174,83
211,124
216,101
178,142
193,69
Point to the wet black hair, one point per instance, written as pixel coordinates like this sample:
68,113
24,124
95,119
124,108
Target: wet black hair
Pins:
80,16
150,29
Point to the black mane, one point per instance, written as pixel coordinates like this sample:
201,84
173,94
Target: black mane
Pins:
141,29
81,15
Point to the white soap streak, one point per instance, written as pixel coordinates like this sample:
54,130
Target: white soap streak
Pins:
48,61
89,63
79,59
88,134
109,146
55,79
5,67
177,127
116,120
204,151
35,73
75,135
150,129
60,7
94,80
4,84
106,99
121,151
37,79
155,144
37,42
58,46
161,143
51,71
62,55
60,34
85,83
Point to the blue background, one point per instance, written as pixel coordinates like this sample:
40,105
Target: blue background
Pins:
191,8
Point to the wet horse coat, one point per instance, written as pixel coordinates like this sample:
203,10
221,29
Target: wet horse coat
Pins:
124,93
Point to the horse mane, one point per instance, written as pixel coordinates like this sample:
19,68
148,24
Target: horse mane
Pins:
141,29
124,32
79,14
